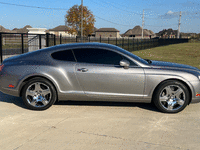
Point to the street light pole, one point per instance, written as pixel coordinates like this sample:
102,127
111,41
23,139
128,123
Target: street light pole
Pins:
81,19
179,24
142,23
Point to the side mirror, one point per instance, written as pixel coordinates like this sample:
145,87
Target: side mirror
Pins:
124,63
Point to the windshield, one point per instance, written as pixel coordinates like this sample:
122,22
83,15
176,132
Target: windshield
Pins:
132,55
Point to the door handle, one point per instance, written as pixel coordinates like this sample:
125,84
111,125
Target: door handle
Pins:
83,70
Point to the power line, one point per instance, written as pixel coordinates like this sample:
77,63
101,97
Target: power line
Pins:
32,6
162,26
112,22
56,9
118,8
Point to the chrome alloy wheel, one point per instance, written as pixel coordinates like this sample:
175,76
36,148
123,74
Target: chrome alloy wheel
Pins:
38,94
172,97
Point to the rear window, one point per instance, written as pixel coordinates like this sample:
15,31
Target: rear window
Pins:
65,55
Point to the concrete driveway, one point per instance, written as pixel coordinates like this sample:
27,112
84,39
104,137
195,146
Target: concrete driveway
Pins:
96,125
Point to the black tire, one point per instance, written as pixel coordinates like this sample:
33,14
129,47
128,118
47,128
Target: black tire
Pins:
39,94
171,96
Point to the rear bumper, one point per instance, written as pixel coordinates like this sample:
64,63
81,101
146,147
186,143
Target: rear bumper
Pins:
9,91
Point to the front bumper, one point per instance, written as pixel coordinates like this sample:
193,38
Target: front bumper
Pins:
195,100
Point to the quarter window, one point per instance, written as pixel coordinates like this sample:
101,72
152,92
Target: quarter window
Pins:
65,55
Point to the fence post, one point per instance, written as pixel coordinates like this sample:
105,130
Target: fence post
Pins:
123,43
89,38
54,37
1,53
137,44
116,41
40,41
60,38
47,39
133,44
76,39
100,39
108,40
128,43
22,38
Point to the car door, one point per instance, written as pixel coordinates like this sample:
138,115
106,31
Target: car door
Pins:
100,75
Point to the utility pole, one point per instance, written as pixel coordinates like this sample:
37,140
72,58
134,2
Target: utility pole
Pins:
142,23
81,20
179,24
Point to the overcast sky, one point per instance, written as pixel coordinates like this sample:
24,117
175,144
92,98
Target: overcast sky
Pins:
122,15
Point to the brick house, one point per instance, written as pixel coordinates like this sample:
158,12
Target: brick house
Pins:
107,32
61,30
169,33
136,32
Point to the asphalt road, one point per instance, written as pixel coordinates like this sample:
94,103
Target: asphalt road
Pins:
96,125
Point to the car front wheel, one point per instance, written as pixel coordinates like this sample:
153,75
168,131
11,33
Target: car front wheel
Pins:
171,97
39,94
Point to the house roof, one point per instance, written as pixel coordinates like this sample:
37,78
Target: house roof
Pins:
21,30
2,29
167,32
107,30
94,29
151,32
137,30
60,28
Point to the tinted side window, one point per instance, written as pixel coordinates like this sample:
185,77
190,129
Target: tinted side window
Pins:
98,56
65,55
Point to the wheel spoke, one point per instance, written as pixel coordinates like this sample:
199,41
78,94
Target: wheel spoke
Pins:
180,102
30,93
168,90
37,87
44,102
163,98
46,91
34,102
178,92
170,107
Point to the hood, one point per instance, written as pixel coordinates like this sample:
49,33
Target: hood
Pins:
162,64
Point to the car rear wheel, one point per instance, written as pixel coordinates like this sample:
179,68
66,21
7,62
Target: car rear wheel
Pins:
171,97
39,94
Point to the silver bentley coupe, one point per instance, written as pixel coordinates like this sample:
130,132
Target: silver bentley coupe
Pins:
97,72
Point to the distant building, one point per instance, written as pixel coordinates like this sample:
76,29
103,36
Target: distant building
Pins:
61,30
21,30
34,38
136,32
2,29
93,32
107,32
169,33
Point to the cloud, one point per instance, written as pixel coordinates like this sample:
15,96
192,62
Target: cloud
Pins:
169,15
169,12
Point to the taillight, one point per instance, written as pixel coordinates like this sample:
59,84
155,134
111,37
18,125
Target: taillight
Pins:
1,66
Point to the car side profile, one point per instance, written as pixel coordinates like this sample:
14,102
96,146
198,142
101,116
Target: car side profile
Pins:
97,72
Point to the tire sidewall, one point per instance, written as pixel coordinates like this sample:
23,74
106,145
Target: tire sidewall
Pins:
51,87
157,93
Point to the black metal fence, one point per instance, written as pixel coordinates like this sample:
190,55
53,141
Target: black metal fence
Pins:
19,43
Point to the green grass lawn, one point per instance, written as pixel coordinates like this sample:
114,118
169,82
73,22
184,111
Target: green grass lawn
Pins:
186,53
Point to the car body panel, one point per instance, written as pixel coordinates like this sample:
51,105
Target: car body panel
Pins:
104,81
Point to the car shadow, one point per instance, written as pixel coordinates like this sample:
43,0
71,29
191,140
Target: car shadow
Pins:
19,102
12,99
147,106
